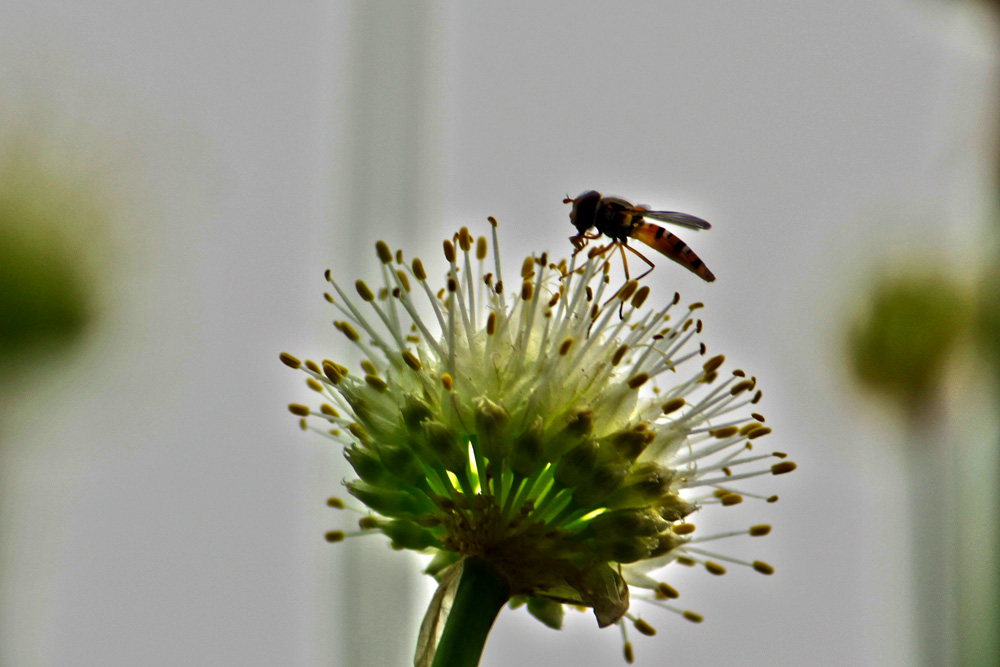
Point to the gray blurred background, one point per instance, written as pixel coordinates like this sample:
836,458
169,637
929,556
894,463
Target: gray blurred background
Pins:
158,504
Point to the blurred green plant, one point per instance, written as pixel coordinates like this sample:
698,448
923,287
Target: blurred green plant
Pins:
51,226
910,325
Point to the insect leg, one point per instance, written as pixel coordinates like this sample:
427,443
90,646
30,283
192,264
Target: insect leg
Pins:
643,258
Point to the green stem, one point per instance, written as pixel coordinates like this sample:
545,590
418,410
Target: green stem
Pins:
482,593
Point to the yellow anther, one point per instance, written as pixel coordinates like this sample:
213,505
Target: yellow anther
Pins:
673,405
619,354
447,382
491,324
714,363
311,365
481,248
418,270
759,432
693,617
740,387
628,653
298,409
412,361
759,417
335,502
731,499
528,268
465,239
289,360
335,536
314,385
637,381
331,371
383,252
760,530
348,331
404,280
363,291
696,305
665,591
628,290
492,220
783,468
449,251
640,296
368,367
726,432
683,528
527,291
565,346
715,568
329,410
367,523
376,383
644,627
763,567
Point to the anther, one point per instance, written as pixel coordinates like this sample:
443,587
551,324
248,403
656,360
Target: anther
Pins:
528,268
731,499
418,270
492,220
628,290
714,568
329,410
763,567
335,502
334,536
696,305
331,371
447,382
363,291
619,354
683,528
740,387
628,653
376,383
527,291
684,560
404,280
673,405
760,530
348,331
367,523
491,324
726,432
693,617
328,297
759,432
714,363
481,248
449,251
644,627
311,365
465,239
399,257
665,591
452,285
314,385
383,252
368,367
759,417
637,381
411,360
289,360
298,409
565,346
783,468
640,296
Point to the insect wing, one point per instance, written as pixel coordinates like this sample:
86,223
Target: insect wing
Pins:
682,219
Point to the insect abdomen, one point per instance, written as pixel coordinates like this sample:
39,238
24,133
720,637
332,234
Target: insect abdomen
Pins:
664,242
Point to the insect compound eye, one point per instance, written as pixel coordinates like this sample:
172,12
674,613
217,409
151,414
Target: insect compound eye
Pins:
584,213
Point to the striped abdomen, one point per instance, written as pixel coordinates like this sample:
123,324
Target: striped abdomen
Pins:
661,240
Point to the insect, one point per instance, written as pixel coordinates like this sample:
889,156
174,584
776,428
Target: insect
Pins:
620,220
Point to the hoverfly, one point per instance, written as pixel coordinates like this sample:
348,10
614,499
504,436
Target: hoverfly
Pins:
619,220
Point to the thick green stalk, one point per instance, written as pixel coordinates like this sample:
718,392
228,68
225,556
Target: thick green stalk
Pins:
482,592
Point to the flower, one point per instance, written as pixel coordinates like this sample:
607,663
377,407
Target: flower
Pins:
563,442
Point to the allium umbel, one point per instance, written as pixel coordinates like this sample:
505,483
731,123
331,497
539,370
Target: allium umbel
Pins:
561,436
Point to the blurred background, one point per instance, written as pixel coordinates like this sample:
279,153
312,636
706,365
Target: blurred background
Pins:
175,178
